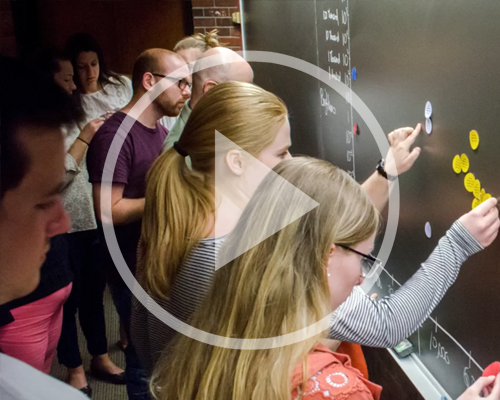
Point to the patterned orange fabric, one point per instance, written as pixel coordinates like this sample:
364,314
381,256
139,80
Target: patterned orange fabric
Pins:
356,355
331,376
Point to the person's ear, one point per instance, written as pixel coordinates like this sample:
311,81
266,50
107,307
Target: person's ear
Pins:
331,254
148,81
234,161
209,85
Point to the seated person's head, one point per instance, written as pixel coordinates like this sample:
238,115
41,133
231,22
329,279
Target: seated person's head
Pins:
32,175
286,283
216,66
151,67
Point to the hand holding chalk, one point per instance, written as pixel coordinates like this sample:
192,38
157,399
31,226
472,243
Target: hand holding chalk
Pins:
482,222
480,390
401,158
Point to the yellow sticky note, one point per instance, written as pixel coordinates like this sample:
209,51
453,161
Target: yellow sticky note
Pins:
469,182
476,190
465,162
474,139
475,203
457,164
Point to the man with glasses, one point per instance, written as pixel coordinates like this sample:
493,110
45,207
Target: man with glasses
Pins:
215,66
142,145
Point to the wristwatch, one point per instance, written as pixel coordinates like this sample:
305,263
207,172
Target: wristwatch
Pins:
381,170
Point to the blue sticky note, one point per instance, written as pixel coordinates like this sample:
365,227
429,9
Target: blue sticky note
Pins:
354,73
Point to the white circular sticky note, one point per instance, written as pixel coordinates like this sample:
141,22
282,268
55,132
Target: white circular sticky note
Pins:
428,109
428,230
428,125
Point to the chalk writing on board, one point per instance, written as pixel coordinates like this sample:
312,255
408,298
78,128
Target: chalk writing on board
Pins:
348,135
468,377
325,102
333,29
347,79
334,16
440,349
390,287
330,36
345,58
344,17
333,75
345,38
334,59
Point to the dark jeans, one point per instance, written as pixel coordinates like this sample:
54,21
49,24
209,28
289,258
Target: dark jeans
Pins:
86,298
136,377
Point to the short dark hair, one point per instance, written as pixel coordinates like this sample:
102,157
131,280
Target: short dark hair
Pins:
146,62
83,42
25,99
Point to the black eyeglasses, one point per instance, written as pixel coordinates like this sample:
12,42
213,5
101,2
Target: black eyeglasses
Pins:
181,83
368,262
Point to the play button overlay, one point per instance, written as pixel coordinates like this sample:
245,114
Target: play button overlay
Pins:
233,194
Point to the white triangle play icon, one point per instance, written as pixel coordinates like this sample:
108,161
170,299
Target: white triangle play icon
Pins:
289,203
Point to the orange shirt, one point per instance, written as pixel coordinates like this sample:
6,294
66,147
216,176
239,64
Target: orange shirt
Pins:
331,376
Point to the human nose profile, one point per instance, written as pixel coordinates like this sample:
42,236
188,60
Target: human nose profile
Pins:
59,223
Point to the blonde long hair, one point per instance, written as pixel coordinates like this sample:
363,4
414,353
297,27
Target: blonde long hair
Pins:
276,288
180,200
202,41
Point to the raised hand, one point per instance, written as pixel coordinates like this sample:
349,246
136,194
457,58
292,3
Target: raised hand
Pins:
402,158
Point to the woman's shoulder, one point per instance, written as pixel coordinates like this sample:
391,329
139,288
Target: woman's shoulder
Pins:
331,376
121,81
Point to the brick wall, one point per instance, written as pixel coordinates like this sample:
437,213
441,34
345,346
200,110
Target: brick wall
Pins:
8,45
217,14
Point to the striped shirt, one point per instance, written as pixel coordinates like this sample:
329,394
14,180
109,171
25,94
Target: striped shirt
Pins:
360,319
386,322
150,335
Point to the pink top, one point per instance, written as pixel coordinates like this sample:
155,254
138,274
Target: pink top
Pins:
331,376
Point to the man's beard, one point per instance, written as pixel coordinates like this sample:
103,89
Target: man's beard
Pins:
167,110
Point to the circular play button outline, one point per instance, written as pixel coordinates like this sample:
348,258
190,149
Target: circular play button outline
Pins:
143,297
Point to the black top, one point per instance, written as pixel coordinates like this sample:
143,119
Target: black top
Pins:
55,274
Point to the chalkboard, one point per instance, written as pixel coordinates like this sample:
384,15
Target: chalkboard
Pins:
405,53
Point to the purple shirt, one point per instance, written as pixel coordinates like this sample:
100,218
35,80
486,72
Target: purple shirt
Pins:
141,148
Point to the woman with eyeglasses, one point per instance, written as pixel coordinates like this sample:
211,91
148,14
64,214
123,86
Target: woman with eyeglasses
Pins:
285,284
181,235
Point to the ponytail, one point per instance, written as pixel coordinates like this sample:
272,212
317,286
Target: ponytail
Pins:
180,201
177,211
